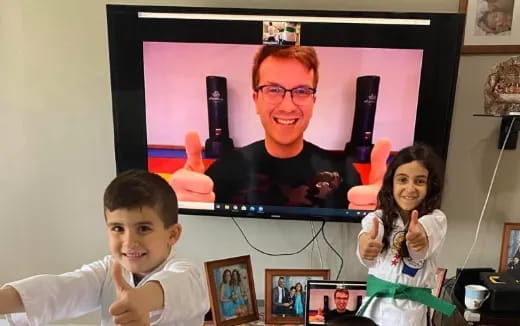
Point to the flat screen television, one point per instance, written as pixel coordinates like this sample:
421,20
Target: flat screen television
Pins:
179,69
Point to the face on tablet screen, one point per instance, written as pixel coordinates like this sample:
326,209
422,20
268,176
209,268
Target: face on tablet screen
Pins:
330,300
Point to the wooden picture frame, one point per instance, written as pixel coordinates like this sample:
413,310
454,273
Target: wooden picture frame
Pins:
287,311
510,252
231,290
481,39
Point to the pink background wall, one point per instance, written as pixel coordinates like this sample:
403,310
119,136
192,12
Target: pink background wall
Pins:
175,89
316,298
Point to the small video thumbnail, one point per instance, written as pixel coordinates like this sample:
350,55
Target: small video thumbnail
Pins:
281,33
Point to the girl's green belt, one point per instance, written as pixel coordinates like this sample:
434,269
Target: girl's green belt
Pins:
379,288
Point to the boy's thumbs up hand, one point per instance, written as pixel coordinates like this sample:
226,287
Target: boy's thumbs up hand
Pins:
127,309
120,283
416,237
369,246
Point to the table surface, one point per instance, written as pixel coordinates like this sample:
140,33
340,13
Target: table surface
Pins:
486,317
4,322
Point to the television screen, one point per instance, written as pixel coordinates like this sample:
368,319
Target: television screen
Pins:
184,98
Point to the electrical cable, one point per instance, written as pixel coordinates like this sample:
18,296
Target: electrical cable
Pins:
277,254
317,245
485,202
333,249
312,254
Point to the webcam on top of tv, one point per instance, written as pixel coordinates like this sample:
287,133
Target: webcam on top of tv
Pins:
281,33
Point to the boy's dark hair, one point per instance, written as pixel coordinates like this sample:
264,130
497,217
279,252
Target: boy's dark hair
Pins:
352,321
138,188
385,198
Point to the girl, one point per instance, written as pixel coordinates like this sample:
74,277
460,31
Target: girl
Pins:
400,242
236,288
227,297
299,300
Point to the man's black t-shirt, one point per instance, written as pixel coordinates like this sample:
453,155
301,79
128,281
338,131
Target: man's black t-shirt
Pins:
313,178
333,314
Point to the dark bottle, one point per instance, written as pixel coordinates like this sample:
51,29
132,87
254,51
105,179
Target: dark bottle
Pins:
326,308
218,142
360,145
359,301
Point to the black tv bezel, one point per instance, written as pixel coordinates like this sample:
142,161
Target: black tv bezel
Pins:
441,42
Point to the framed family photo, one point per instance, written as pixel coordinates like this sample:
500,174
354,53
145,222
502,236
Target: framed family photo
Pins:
285,293
232,291
492,26
510,253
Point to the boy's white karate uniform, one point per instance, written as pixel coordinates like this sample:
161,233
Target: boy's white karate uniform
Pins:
52,297
389,266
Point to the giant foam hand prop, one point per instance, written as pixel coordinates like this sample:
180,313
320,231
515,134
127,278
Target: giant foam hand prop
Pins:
369,245
129,308
416,237
190,183
365,196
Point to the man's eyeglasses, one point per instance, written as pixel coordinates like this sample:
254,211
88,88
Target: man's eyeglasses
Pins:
274,94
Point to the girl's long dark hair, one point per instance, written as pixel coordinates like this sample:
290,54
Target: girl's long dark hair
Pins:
233,281
224,275
385,198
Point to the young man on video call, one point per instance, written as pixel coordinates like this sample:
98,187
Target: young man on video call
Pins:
341,301
283,169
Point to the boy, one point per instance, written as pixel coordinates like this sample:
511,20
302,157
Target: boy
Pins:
140,283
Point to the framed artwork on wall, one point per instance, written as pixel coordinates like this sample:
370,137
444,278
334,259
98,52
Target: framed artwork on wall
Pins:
492,26
510,253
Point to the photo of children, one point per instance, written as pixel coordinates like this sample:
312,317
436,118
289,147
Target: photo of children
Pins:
494,17
233,291
289,295
286,293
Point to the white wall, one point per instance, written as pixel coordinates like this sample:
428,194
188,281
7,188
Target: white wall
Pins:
57,155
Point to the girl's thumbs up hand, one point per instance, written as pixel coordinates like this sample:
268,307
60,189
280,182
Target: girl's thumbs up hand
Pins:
416,237
369,245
